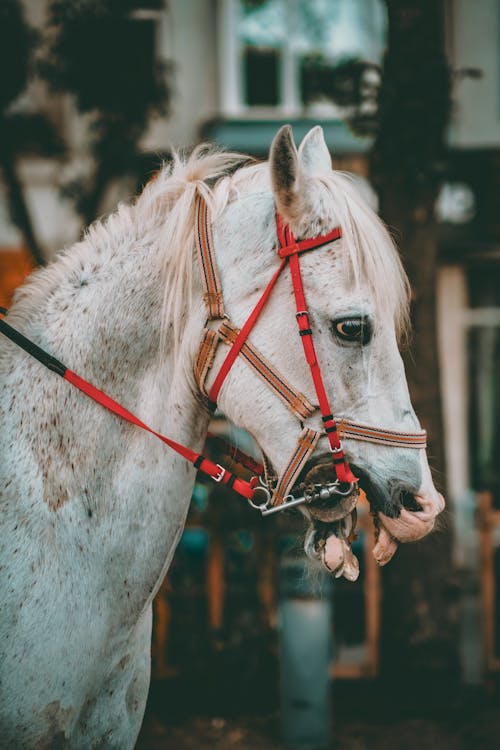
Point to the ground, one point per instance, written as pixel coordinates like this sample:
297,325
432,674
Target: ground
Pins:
365,717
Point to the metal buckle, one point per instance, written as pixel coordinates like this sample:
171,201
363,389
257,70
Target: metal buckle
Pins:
220,476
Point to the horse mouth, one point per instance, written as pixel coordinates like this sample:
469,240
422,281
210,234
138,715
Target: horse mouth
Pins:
401,514
330,544
331,508
329,501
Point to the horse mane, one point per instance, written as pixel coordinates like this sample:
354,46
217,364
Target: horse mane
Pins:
169,202
221,177
373,256
164,214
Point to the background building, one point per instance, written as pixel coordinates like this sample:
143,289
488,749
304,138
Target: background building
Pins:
238,69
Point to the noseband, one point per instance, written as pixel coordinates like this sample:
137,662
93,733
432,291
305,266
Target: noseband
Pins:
275,492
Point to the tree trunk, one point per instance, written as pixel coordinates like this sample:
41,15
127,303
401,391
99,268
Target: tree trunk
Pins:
406,163
19,209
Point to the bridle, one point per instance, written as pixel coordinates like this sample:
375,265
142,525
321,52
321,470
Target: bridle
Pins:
275,492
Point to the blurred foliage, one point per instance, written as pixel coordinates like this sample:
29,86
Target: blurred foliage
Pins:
103,54
406,104
20,132
25,132
352,84
252,4
16,41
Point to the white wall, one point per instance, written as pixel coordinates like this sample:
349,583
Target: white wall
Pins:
188,37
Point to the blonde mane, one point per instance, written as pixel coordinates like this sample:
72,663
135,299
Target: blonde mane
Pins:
164,216
170,199
373,255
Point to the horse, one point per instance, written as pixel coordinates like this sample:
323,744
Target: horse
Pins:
93,507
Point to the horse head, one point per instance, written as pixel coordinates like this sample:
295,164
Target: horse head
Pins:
357,296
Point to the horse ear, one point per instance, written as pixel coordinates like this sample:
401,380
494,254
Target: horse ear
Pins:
283,160
314,157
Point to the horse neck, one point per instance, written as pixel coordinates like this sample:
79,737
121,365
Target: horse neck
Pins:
99,309
122,493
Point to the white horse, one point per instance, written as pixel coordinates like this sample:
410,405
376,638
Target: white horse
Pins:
92,507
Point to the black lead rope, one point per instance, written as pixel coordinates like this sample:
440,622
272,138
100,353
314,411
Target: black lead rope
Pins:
28,346
218,473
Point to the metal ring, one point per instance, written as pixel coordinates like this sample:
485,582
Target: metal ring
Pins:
267,495
352,485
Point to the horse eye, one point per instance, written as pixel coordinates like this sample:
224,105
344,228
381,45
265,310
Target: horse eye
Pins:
353,329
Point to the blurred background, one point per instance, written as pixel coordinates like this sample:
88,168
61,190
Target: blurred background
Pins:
94,95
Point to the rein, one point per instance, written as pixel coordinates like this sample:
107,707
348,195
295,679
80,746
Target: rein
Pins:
214,471
275,490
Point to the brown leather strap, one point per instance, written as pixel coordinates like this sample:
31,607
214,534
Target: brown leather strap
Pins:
306,444
212,292
295,400
205,357
391,438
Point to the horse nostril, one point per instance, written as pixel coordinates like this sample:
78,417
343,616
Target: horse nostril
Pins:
409,502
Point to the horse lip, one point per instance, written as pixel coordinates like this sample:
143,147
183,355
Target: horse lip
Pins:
413,525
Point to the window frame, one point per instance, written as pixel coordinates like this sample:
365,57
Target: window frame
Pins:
231,78
231,81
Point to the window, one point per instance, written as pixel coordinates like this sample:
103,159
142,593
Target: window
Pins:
278,56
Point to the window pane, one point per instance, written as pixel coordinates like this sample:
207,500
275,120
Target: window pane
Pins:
263,23
333,32
262,29
261,76
340,29
301,42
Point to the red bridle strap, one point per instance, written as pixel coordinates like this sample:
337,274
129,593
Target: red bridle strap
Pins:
214,471
288,250
287,240
285,251
211,469
242,336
